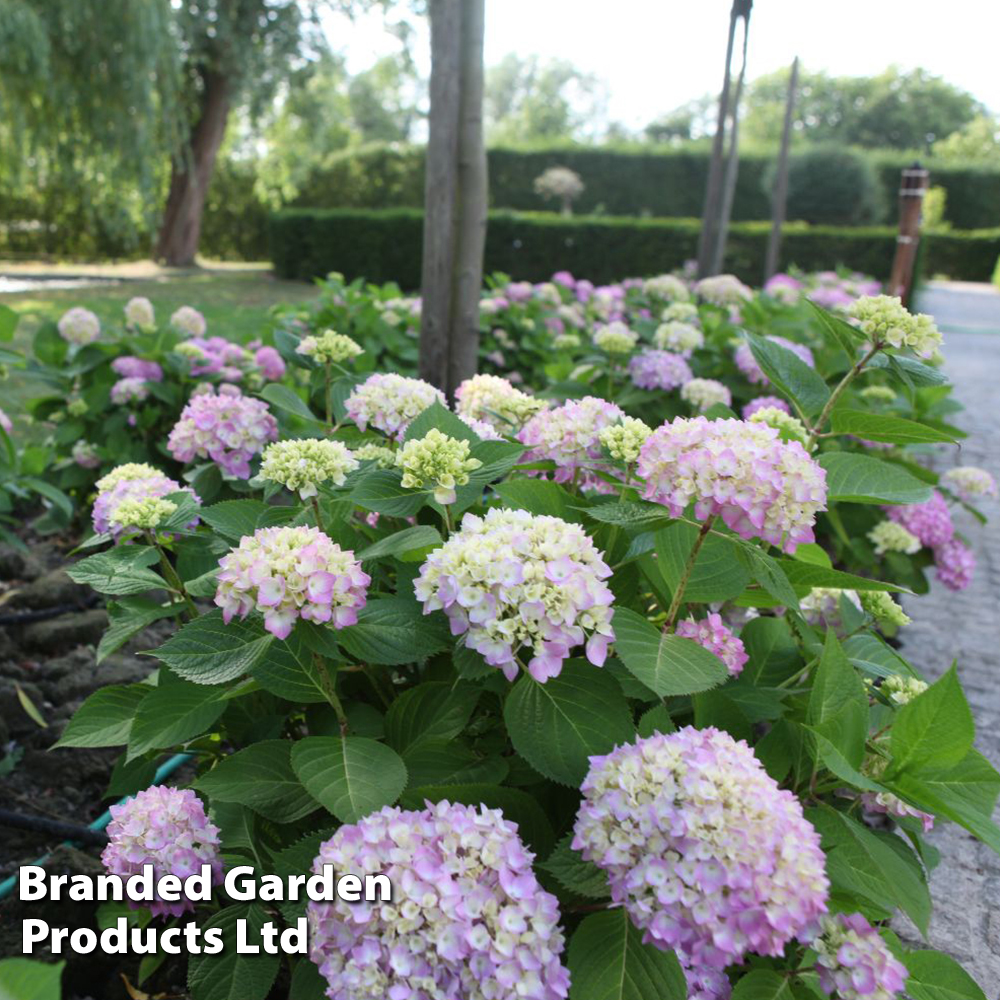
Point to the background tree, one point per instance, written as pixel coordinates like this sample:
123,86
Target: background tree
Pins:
895,110
527,99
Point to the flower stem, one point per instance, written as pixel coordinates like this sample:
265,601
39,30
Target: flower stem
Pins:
172,578
326,394
319,518
836,394
678,598
330,692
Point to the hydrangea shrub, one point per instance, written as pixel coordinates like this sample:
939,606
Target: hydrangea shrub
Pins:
601,673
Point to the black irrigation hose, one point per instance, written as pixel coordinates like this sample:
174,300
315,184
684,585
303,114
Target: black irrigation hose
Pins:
40,824
26,617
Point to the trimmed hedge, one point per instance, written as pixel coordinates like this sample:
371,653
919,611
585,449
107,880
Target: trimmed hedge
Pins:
642,182
386,246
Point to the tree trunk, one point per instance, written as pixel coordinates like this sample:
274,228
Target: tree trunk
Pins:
463,356
191,174
455,196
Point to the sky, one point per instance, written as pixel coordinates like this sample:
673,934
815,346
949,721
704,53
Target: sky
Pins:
654,55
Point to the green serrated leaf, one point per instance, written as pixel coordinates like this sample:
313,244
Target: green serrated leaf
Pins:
667,664
230,975
854,478
105,718
351,776
208,651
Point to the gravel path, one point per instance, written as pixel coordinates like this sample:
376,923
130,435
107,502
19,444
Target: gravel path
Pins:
966,627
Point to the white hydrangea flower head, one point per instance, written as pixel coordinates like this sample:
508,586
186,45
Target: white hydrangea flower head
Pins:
303,465
128,471
512,580
680,312
724,290
883,319
704,393
566,341
79,326
390,402
495,401
436,462
668,287
679,337
888,536
624,439
615,338
969,482
140,314
189,321
329,347
821,607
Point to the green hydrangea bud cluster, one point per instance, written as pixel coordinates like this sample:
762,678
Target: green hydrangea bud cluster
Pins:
789,427
143,515
888,536
77,407
615,338
901,690
624,439
383,457
436,462
302,465
883,608
566,341
878,394
883,319
329,347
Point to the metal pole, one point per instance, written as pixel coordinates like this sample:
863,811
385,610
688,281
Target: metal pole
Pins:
779,202
915,182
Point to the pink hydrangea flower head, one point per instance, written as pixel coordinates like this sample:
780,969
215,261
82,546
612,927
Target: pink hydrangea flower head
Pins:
887,804
513,580
6,423
761,486
468,919
763,403
217,356
227,427
704,393
955,564
747,363
129,390
854,962
79,326
929,521
132,481
167,828
270,363
717,638
390,402
707,854
658,370
784,288
704,983
131,367
569,435
289,573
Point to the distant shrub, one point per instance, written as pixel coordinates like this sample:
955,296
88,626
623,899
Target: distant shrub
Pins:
828,185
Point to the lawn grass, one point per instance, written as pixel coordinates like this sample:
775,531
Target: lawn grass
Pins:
236,306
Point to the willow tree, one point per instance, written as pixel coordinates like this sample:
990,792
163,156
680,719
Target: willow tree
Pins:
455,195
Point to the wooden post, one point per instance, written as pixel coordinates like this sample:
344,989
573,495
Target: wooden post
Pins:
779,197
915,181
713,185
733,161
455,195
